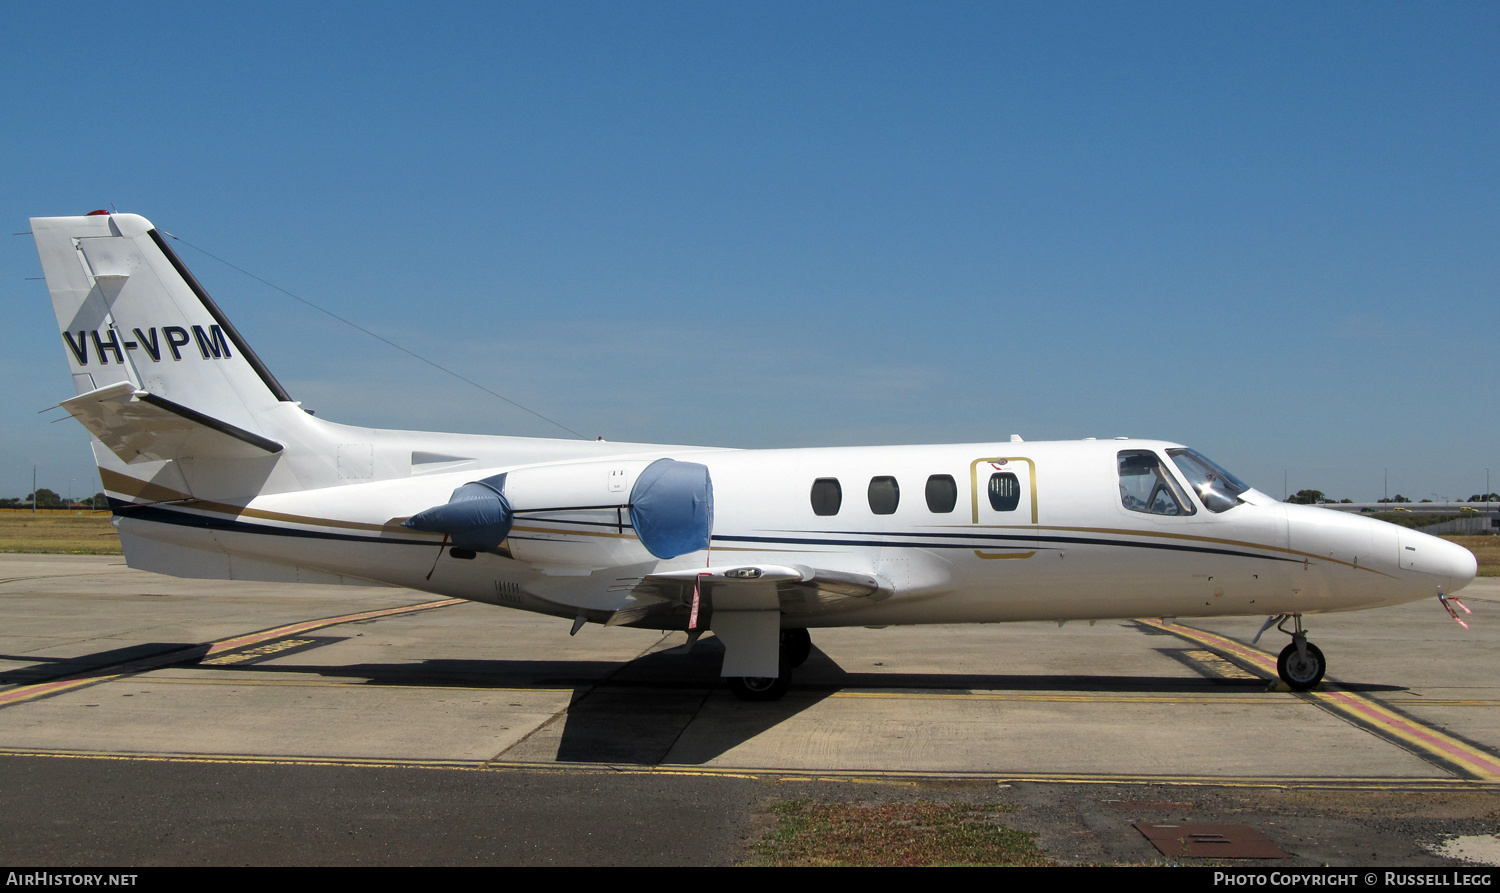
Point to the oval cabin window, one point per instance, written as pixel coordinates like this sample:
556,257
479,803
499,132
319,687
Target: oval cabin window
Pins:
942,494
827,496
885,495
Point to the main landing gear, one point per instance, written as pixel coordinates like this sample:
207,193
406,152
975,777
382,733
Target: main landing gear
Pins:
796,646
1301,665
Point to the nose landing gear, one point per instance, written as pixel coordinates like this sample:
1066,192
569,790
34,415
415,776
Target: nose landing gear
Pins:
1301,665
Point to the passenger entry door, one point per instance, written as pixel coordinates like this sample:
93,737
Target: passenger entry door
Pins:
1003,506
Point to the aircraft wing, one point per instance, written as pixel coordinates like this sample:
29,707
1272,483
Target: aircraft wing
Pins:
795,589
137,425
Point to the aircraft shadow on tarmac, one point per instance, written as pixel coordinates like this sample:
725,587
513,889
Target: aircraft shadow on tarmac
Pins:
665,707
671,707
116,660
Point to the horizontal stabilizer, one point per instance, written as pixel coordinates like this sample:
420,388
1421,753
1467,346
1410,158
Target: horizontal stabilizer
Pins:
137,425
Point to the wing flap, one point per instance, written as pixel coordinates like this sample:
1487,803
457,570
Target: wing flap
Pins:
138,426
798,589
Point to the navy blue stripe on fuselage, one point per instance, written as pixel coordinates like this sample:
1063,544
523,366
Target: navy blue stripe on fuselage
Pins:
995,541
163,515
613,525
159,515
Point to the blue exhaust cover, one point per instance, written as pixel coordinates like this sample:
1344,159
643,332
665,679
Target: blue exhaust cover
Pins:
672,508
476,517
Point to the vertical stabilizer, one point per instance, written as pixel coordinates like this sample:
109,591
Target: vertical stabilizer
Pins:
129,311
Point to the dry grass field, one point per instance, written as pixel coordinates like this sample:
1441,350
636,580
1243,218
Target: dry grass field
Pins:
1485,548
58,532
90,533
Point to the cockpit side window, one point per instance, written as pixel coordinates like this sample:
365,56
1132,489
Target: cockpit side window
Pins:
1219,490
1146,485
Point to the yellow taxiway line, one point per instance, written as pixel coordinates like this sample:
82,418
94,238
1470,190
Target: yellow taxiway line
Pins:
197,652
1427,741
1257,698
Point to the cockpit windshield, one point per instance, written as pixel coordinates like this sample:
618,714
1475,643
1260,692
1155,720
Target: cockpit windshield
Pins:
1218,489
1146,486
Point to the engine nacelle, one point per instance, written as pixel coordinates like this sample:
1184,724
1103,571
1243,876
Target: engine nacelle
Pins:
581,515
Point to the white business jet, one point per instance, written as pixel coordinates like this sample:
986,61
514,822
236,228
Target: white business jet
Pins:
214,472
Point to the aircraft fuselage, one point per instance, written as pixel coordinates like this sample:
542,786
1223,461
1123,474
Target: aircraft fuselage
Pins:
1068,550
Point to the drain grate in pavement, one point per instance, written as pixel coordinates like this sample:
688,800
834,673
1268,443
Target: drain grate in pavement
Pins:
1210,841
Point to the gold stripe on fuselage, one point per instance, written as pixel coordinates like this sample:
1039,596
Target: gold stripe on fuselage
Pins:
135,488
1122,531
156,493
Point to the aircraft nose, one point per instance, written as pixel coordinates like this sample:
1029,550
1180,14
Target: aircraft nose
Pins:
1455,564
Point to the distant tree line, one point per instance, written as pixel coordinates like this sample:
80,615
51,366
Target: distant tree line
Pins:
47,499
1317,497
1313,497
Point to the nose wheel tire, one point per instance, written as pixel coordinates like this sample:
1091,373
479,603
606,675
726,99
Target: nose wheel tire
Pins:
1298,672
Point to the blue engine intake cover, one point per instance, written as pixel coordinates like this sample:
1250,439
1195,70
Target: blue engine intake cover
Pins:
672,508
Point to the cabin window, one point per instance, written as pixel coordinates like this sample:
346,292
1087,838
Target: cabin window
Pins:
827,496
1146,486
1005,491
942,494
885,495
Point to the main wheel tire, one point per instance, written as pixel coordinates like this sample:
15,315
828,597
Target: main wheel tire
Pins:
1299,673
762,688
796,646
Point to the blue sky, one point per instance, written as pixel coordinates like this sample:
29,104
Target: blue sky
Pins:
1266,230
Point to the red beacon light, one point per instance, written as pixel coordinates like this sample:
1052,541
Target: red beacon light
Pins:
97,213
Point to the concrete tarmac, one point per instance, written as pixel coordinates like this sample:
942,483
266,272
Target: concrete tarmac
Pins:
499,739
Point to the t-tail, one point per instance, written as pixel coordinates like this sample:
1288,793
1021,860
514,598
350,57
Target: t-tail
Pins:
129,311
163,380
197,442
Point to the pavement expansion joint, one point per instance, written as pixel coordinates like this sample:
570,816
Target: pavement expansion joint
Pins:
781,774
